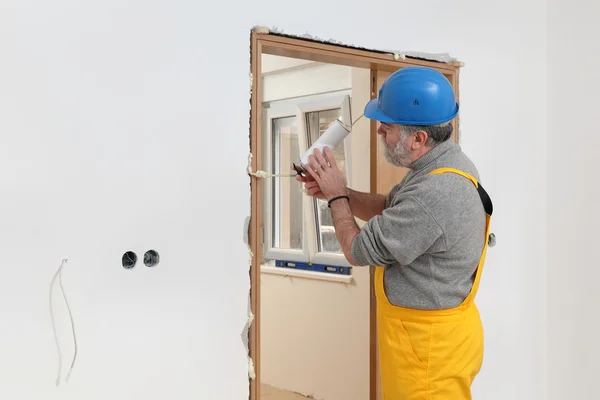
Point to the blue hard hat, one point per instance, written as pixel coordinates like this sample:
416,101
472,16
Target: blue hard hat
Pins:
414,96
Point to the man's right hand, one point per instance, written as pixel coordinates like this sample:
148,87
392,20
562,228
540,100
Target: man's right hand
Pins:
364,205
311,185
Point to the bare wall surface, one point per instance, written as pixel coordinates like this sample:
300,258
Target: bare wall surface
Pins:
113,121
573,193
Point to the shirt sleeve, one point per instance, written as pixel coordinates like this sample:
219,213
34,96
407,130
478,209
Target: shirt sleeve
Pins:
401,234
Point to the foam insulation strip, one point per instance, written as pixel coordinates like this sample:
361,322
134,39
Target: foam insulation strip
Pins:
261,29
246,237
251,372
264,174
245,336
398,55
246,331
439,57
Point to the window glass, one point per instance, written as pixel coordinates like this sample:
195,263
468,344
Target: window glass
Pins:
287,193
317,122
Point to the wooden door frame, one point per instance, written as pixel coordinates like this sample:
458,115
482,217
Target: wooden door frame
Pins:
265,42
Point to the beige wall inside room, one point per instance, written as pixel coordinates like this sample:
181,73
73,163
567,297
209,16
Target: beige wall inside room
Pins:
315,333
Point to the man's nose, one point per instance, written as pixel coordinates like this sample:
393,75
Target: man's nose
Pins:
380,130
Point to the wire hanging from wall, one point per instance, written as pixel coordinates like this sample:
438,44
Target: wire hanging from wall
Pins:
58,275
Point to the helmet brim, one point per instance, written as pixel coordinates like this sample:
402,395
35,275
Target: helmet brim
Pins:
373,112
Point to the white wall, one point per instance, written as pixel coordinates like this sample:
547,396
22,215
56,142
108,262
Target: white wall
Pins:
112,115
275,65
573,199
308,80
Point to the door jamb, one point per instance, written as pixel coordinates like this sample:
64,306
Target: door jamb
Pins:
264,42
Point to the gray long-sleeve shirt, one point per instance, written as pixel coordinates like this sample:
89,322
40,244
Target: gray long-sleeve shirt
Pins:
431,234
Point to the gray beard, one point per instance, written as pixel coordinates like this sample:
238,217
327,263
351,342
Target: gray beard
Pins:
397,156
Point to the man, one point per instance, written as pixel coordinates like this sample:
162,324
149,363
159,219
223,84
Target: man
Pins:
429,235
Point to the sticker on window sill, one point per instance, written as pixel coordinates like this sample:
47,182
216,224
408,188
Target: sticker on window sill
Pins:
304,266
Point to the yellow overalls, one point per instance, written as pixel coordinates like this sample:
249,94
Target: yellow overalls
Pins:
431,354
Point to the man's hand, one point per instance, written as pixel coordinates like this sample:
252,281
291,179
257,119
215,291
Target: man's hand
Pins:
326,174
311,185
324,180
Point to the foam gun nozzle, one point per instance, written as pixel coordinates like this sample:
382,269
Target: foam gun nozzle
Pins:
299,170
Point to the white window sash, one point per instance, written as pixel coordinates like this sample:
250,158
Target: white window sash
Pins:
341,101
299,108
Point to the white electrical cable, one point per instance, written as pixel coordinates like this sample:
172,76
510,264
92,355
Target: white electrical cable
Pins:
59,275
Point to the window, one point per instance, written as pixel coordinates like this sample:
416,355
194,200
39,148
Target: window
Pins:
298,228
286,196
316,123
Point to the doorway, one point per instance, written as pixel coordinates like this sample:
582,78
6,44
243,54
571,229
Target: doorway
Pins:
313,334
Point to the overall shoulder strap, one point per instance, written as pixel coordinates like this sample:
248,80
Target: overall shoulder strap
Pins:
488,207
485,198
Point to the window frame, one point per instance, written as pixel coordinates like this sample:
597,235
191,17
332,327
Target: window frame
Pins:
278,109
298,108
342,101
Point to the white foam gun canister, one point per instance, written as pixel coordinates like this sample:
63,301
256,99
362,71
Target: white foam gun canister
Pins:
332,137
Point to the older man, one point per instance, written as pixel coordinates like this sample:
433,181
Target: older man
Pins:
429,236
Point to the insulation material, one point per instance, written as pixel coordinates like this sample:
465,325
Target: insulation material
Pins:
245,339
251,372
246,330
439,57
264,174
398,55
260,29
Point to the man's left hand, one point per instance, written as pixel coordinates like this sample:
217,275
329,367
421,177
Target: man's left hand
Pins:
327,174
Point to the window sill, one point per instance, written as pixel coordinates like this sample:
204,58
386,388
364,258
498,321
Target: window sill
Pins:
320,276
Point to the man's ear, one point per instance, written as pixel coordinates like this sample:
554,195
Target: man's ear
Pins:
420,139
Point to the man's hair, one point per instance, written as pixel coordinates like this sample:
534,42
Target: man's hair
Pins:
436,134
